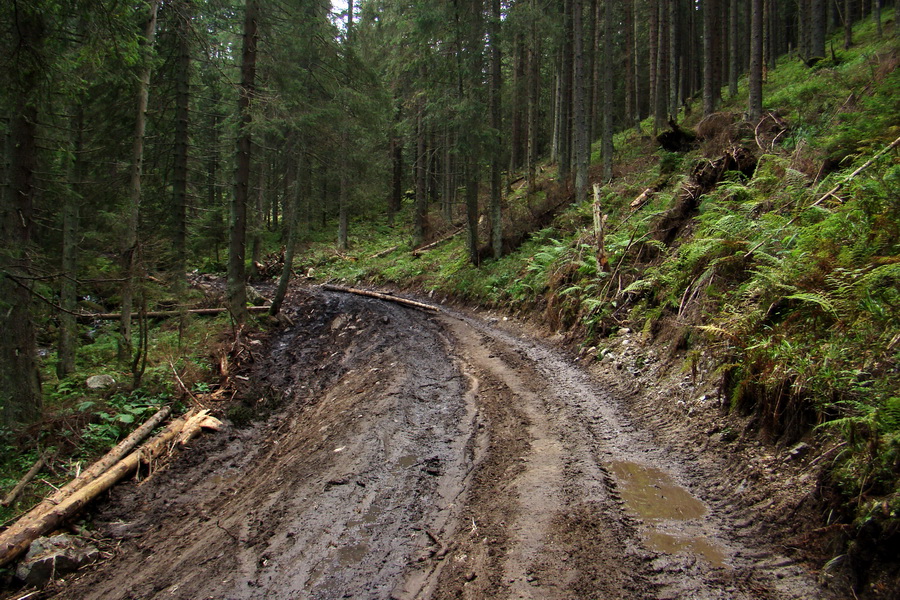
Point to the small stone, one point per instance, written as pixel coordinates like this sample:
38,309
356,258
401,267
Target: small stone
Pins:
100,382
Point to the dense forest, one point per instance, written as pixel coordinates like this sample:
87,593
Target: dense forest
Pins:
145,143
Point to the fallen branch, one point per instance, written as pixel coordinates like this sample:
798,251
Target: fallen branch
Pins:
163,313
15,540
422,249
865,166
102,465
34,470
384,252
380,296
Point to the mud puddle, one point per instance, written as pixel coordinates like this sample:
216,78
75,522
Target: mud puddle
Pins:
473,463
659,502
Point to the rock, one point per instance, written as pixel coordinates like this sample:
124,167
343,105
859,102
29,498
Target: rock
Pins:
100,382
52,557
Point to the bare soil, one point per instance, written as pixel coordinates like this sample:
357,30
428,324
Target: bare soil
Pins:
404,455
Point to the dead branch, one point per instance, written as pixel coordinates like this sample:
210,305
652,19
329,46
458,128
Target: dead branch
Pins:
419,251
34,470
380,296
384,252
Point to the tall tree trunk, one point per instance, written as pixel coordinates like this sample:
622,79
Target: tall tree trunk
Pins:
653,62
290,223
734,67
68,327
631,108
606,143
20,385
236,284
421,207
395,201
564,100
848,24
496,125
673,53
131,247
182,115
534,98
519,102
257,216
754,109
709,57
579,121
343,192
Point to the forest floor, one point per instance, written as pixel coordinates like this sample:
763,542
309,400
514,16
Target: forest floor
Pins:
400,454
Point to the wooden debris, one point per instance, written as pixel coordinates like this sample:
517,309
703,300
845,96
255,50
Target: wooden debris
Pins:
163,313
69,500
422,249
384,252
34,470
380,296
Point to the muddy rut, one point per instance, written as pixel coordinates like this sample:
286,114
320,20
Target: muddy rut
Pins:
411,456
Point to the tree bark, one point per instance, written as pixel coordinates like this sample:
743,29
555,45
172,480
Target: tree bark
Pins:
579,121
606,144
182,117
68,299
496,126
754,108
131,248
20,386
236,290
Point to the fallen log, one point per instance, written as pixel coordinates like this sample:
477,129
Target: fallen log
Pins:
34,470
16,540
384,252
99,467
82,317
419,251
380,296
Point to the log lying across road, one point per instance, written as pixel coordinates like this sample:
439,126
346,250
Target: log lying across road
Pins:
380,296
162,313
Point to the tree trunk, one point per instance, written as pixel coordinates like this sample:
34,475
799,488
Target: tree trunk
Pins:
421,207
653,60
534,98
564,99
68,299
631,108
290,223
496,125
395,202
606,143
579,121
754,108
131,250
709,57
236,284
673,55
20,385
734,67
182,116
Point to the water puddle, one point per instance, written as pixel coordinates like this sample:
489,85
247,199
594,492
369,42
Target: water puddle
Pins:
656,498
351,555
368,518
407,461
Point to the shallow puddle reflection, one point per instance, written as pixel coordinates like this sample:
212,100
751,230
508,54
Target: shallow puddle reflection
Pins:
656,498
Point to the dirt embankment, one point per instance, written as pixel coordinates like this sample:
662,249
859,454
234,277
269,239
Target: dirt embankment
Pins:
413,456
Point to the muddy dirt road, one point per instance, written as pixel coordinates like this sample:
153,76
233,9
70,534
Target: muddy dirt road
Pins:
412,456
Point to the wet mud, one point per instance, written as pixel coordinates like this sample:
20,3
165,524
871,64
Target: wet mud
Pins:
415,456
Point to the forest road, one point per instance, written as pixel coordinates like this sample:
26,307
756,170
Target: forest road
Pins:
415,456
